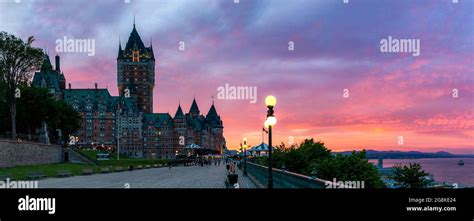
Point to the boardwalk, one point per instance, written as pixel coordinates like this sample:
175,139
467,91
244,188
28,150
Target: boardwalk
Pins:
177,177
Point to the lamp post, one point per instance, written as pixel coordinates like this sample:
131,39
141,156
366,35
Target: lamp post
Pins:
270,102
245,156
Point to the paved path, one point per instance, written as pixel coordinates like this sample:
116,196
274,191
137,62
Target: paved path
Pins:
177,177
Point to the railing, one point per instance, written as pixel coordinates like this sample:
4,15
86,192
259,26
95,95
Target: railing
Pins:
282,178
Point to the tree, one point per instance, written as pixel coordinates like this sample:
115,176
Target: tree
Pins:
65,118
303,157
18,60
312,153
353,167
411,176
57,114
37,99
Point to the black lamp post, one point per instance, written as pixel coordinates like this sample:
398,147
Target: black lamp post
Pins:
270,102
245,156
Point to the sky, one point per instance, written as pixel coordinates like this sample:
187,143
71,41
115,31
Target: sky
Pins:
336,85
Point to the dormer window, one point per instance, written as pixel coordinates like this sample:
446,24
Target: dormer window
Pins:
135,56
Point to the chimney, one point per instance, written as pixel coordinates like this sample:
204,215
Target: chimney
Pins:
96,86
69,86
58,65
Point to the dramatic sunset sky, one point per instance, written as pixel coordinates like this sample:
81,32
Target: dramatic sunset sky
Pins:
337,47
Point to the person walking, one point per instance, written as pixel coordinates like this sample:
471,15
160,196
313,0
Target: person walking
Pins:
232,168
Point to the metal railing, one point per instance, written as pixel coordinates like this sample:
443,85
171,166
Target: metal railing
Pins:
282,178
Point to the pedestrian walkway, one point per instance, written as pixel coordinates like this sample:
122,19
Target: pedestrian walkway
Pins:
177,177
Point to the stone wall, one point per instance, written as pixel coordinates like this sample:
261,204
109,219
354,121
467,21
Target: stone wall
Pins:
14,153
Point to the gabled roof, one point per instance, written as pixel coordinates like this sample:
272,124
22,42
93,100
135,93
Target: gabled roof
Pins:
155,119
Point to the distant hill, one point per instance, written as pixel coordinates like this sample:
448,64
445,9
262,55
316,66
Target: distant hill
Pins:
375,154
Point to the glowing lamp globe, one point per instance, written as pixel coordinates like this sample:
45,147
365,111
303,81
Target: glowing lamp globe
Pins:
265,124
271,121
270,101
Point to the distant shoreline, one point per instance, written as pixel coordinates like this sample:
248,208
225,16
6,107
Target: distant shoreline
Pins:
374,154
410,158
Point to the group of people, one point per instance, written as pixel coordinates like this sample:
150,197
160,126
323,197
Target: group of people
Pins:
230,166
208,162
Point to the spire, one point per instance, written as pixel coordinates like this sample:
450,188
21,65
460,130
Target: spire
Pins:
133,20
179,112
212,111
134,40
120,51
212,117
46,66
194,107
151,48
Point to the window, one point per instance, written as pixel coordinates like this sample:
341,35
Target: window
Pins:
135,56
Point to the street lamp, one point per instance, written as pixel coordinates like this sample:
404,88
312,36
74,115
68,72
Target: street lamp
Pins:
245,156
270,102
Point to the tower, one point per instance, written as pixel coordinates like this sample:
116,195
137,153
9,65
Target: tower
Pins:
136,71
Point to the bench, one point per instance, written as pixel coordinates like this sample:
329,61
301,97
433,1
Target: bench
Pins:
118,169
35,175
155,165
147,166
64,173
105,170
159,165
139,167
87,171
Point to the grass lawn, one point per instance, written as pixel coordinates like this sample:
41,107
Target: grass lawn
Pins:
124,160
51,170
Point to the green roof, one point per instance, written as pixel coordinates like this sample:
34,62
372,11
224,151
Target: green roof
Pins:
82,97
179,112
155,119
47,77
194,107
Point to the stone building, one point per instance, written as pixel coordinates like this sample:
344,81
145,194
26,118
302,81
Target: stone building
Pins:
127,122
